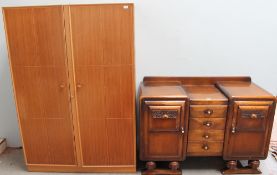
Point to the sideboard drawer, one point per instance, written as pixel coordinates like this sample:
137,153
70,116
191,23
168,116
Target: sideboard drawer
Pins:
208,111
164,118
205,148
203,123
206,135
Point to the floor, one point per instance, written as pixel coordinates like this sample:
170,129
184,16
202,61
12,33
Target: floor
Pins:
12,163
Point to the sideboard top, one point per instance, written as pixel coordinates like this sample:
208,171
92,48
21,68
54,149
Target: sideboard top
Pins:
201,89
239,89
162,90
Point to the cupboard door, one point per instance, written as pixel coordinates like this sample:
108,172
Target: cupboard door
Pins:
250,130
104,75
38,64
164,132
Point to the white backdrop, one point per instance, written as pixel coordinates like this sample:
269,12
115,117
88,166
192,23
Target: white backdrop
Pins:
181,38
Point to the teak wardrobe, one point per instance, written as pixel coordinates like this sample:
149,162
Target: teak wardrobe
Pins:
73,76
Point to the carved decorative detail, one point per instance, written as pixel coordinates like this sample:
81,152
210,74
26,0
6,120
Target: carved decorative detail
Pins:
164,114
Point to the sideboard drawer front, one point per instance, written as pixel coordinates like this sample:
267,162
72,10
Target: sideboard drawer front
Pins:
164,118
206,135
207,124
205,148
208,111
252,118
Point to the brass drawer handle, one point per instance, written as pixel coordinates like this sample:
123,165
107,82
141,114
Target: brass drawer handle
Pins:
208,123
254,116
206,136
165,116
208,111
205,147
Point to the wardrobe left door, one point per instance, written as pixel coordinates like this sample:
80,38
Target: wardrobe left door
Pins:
38,60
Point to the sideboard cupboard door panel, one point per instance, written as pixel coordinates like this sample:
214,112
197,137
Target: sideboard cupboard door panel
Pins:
164,130
249,132
104,75
38,64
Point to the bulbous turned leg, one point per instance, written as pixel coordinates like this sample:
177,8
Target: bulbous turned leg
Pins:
150,165
254,164
174,165
232,164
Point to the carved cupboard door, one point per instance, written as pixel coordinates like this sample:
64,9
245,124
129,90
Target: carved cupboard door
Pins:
249,131
38,61
102,44
163,129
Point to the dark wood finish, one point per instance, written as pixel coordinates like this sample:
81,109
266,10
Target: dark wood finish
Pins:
163,133
228,116
195,80
204,148
151,169
233,168
205,94
208,111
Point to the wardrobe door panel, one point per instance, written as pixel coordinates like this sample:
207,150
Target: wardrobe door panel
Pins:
119,85
36,43
94,142
104,75
36,35
35,140
121,141
106,35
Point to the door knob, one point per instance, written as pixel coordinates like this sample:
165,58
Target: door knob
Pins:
233,130
62,85
78,85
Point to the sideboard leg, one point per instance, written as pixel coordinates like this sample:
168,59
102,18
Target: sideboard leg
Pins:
254,165
233,168
150,165
152,170
174,165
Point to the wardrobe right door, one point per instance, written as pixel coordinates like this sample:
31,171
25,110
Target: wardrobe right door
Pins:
103,59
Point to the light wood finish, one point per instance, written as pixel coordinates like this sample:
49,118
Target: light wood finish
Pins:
205,148
84,169
73,72
104,76
38,63
208,111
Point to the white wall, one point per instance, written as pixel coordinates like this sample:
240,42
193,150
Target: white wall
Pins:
183,38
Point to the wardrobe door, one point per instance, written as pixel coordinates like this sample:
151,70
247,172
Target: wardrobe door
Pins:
36,42
102,43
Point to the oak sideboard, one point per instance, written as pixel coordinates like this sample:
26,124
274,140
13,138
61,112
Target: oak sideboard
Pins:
231,117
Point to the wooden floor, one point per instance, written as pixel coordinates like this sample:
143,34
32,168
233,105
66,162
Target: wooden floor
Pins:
11,162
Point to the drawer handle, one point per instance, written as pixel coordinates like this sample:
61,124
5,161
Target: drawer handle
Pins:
208,123
254,116
205,147
209,111
206,136
165,116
